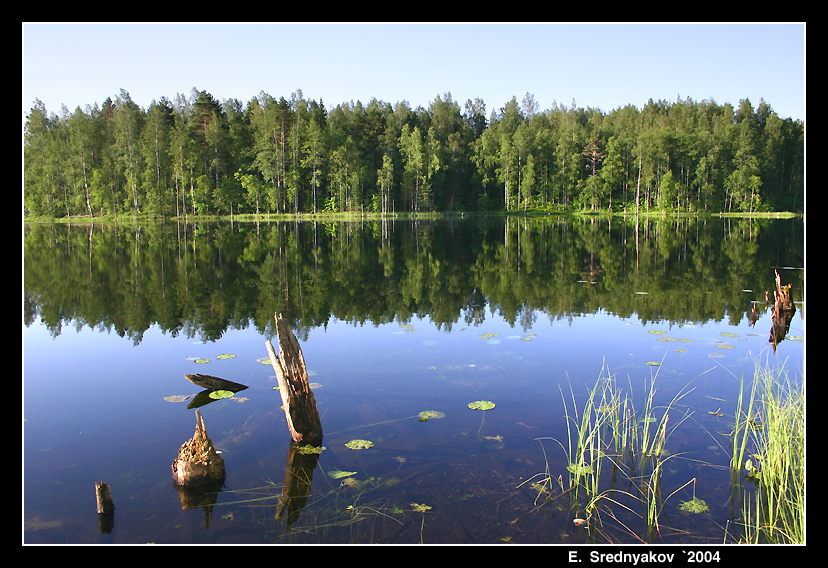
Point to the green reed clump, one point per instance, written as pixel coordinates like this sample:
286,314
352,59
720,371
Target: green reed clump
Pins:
769,451
611,438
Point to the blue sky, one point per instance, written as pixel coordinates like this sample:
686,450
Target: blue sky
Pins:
603,66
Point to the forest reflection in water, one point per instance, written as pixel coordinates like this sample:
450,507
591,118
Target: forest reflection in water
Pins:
395,319
205,278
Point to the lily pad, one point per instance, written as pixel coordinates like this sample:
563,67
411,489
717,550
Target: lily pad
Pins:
337,474
695,505
225,356
665,338
177,397
309,449
219,394
359,444
653,363
724,346
487,335
201,361
579,469
728,334
656,332
481,405
430,414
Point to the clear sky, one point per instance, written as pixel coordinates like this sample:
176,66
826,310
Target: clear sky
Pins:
602,66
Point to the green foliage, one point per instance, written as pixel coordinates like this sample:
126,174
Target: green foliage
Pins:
199,156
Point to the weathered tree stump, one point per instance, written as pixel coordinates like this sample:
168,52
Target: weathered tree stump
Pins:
782,312
106,507
297,399
198,462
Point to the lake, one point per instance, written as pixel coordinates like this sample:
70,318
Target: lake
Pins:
394,318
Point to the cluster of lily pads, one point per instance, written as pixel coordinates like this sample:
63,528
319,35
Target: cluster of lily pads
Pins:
663,337
203,361
362,444
492,338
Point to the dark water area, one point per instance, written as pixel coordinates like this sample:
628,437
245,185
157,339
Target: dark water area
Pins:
394,318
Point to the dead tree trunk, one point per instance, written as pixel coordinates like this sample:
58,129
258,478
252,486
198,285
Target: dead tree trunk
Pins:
297,399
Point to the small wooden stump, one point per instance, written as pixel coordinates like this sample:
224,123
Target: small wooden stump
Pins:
198,462
103,495
297,399
106,507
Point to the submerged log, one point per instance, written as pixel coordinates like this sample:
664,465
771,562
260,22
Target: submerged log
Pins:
198,462
297,399
214,383
210,384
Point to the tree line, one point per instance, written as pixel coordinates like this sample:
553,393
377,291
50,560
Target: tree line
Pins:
194,155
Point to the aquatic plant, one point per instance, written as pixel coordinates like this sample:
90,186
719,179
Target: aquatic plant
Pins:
178,397
309,449
608,434
338,474
694,505
769,449
420,508
219,394
483,405
430,415
359,444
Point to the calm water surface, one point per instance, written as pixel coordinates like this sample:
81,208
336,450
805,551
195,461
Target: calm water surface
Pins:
394,319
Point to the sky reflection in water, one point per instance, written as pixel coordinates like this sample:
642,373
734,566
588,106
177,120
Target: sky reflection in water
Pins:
94,410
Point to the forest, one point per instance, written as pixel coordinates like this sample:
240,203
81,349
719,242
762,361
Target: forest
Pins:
197,156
